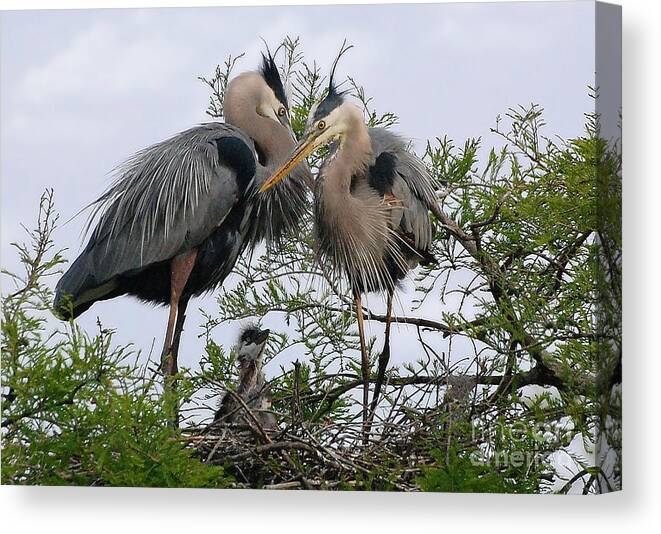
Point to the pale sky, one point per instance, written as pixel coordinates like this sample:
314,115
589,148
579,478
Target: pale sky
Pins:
80,91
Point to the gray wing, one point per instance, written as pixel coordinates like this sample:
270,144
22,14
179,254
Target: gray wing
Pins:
167,199
412,186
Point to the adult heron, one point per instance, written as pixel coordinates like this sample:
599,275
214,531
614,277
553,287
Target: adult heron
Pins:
181,211
372,202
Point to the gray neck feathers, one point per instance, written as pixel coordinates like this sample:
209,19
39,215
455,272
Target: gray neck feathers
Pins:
352,157
351,219
278,210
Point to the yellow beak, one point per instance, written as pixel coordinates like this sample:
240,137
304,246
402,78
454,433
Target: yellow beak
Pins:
301,151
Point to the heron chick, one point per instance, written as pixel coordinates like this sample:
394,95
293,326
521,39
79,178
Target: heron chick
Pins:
251,387
372,201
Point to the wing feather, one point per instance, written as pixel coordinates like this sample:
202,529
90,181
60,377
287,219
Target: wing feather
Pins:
412,185
166,199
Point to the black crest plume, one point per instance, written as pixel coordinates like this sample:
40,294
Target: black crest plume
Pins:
334,96
271,75
332,88
249,331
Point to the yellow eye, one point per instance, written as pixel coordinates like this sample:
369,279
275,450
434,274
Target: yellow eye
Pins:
321,125
281,112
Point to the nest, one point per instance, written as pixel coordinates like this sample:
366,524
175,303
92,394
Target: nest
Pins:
386,454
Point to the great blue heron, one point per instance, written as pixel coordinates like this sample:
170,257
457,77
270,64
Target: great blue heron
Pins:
372,202
175,221
251,388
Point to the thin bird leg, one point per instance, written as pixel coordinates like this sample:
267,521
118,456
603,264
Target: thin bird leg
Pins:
180,269
364,363
166,363
179,328
384,358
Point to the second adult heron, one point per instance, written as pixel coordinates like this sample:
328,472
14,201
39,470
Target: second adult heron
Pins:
372,202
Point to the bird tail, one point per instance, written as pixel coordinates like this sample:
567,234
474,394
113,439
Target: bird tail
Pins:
78,289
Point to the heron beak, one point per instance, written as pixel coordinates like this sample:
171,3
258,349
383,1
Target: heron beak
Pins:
302,151
263,336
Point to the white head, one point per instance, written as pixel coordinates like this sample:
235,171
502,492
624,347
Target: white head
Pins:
251,345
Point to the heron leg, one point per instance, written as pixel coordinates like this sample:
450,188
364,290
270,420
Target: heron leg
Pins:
364,363
384,358
180,269
166,364
179,328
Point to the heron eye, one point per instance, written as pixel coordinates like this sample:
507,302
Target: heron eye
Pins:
281,112
321,125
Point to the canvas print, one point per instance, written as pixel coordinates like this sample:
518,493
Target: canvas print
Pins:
356,247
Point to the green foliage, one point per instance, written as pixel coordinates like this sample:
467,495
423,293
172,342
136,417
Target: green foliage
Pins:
463,474
514,290
76,409
514,341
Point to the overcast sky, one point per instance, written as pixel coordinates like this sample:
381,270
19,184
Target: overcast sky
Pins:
80,91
